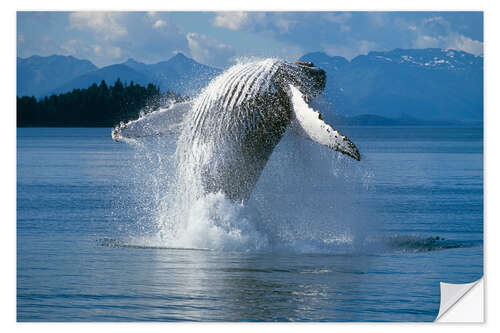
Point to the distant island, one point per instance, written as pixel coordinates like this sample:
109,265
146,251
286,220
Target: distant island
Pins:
374,120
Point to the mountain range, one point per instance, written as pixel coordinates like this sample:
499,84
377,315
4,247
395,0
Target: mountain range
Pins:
42,76
430,84
38,76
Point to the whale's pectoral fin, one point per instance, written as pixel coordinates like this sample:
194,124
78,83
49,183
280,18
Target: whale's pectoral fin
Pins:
308,123
160,122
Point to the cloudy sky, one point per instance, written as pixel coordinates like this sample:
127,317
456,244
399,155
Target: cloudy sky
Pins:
220,38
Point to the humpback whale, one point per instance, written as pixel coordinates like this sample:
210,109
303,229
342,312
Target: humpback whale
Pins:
227,133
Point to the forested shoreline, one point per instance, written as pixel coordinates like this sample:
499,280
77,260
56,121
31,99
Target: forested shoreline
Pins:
97,106
106,106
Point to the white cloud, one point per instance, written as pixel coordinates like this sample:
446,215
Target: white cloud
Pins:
432,19
104,24
72,47
462,43
424,41
339,18
208,51
365,46
112,37
256,21
437,32
231,20
453,41
283,24
159,24
283,21
112,52
350,51
84,50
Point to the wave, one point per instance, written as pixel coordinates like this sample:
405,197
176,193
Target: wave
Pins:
374,245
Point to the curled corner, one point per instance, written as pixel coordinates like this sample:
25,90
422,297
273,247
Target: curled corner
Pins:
461,302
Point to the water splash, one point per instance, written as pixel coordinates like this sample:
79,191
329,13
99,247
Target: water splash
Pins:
307,198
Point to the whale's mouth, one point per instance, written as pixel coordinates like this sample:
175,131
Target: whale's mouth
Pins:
304,63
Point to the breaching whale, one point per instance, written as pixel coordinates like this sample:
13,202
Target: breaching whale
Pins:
229,131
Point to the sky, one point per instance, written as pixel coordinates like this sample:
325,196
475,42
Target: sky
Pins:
221,38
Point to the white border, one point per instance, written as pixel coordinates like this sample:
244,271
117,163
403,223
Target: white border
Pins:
8,166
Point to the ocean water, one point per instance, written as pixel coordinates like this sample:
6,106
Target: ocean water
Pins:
323,238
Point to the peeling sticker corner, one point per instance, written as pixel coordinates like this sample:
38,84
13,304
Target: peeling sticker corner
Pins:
461,303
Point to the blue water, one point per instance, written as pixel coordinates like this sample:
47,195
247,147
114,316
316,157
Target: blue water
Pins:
345,241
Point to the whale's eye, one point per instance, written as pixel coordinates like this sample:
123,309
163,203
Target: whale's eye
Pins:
303,63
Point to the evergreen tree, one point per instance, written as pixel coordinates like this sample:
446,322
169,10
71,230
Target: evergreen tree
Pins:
97,106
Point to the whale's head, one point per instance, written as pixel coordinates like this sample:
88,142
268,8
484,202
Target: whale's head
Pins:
306,77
